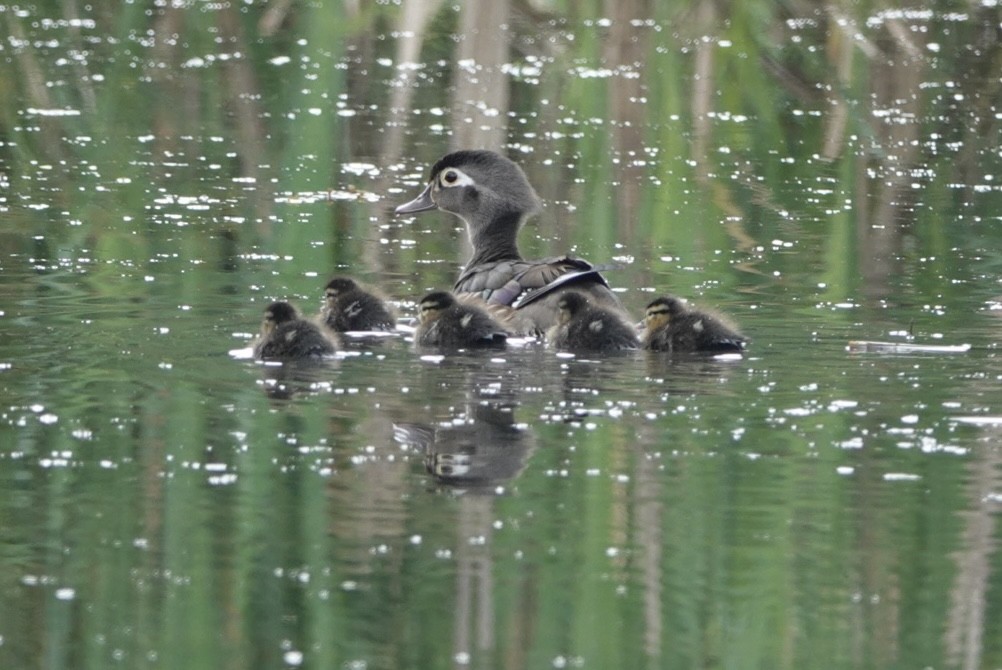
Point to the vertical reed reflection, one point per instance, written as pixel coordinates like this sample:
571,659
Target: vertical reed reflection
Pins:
480,86
122,192
243,93
474,625
411,24
648,524
626,49
964,632
703,82
885,203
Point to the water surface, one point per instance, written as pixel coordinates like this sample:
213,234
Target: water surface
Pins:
821,178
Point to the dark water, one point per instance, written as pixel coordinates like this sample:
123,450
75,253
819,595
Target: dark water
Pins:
822,178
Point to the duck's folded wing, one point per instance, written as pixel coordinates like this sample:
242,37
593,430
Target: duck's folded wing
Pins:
590,276
518,282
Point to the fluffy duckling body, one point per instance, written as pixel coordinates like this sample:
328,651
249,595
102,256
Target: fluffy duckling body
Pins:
448,323
671,325
492,195
584,327
349,307
287,336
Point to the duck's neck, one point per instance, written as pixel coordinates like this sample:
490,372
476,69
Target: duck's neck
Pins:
495,241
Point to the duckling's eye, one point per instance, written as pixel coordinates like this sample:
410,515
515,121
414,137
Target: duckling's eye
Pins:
450,177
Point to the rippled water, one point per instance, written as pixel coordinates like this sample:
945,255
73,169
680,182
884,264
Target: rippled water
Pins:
166,501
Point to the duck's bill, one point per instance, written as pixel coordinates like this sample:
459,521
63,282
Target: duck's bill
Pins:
422,203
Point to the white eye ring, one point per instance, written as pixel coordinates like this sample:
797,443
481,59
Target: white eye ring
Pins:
451,177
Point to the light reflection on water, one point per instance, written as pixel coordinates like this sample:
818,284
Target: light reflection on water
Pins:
166,499
686,462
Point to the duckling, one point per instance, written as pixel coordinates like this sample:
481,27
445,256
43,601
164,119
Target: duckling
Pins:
670,325
492,195
449,323
347,306
582,326
285,335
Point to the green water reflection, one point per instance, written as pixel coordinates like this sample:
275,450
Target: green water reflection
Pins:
821,173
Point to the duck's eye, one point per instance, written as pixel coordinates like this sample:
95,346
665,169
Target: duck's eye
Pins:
453,177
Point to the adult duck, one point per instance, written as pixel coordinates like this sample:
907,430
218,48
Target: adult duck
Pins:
493,197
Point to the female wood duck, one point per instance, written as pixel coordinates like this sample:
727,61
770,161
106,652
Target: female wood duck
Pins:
287,336
448,323
348,307
493,197
670,325
588,328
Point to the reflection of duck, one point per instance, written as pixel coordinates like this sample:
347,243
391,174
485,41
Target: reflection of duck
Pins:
447,322
475,444
492,195
582,326
348,307
670,325
287,336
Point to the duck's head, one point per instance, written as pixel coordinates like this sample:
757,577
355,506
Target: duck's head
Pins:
431,306
338,286
478,186
276,313
570,304
659,312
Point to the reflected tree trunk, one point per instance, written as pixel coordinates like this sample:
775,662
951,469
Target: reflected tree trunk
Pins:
36,90
480,89
982,90
840,50
968,599
885,203
243,93
474,615
83,80
649,524
702,85
480,95
412,25
368,508
415,15
168,77
626,51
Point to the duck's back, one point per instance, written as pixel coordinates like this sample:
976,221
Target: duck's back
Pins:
595,329
534,287
462,326
358,311
697,331
293,340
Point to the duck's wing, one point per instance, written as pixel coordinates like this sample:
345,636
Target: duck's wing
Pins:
725,344
698,331
485,330
590,275
520,282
